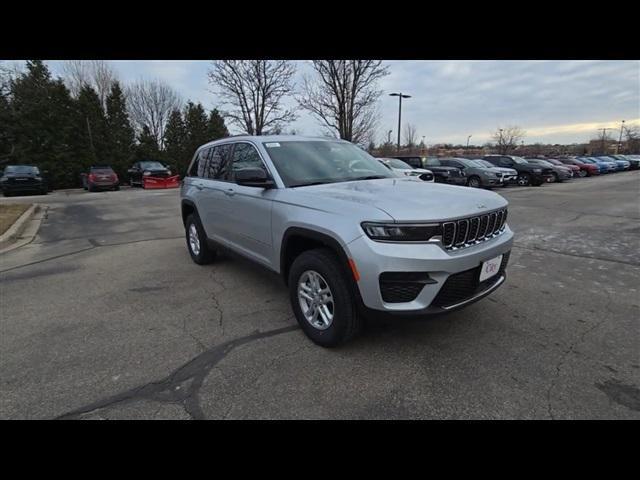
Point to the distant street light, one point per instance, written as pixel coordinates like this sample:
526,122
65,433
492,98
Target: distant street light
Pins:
389,136
400,97
468,141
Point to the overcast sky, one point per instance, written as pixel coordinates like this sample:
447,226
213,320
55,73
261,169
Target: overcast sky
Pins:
553,101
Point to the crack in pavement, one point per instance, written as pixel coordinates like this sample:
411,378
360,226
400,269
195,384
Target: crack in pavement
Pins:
173,388
94,244
568,352
590,257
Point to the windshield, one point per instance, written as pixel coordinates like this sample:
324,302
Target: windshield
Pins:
22,169
395,163
151,166
302,163
484,163
519,160
434,162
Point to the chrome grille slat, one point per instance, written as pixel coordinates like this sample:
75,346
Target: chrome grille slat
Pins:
472,230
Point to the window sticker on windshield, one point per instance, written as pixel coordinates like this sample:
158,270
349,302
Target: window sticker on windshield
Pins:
272,144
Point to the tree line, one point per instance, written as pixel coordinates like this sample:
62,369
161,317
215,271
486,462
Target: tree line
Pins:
91,119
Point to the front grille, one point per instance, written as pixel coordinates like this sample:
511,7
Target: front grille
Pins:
464,285
469,231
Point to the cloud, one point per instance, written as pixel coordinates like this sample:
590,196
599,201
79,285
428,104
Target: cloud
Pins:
556,100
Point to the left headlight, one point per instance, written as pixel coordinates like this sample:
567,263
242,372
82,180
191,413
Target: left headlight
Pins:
395,232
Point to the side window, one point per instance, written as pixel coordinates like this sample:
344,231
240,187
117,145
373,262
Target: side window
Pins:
194,169
202,162
413,161
505,162
217,164
245,156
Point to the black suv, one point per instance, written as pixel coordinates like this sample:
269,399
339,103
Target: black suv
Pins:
23,178
528,174
442,173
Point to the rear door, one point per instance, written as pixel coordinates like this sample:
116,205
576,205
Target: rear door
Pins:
248,209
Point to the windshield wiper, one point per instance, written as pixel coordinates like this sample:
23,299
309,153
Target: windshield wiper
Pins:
308,184
368,177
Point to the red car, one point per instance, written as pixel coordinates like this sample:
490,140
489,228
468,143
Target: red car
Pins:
575,170
585,169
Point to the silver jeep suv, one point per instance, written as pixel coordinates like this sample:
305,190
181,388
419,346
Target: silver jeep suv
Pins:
350,238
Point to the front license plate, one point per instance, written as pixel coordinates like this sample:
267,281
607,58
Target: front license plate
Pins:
490,268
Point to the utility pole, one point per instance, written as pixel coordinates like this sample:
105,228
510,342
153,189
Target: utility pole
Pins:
93,150
400,97
620,139
604,136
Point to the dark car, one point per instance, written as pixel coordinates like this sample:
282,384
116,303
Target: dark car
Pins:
147,168
634,163
560,173
586,169
442,173
23,178
100,178
479,174
528,174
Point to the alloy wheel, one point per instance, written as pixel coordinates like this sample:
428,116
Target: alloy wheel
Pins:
316,300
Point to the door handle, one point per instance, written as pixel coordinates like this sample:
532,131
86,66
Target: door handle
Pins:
199,186
230,192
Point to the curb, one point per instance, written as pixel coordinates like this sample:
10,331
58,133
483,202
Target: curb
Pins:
11,239
16,229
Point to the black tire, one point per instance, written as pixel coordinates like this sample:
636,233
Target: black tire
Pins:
206,255
556,178
538,184
116,188
44,191
91,188
474,181
582,174
346,322
524,180
6,193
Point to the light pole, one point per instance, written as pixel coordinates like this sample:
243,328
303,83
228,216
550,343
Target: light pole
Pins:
468,141
400,97
620,139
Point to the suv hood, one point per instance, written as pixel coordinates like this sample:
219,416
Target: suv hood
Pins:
402,199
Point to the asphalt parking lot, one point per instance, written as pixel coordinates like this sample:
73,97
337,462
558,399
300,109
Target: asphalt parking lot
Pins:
105,316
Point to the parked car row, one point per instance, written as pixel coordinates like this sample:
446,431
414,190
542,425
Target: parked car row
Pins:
503,170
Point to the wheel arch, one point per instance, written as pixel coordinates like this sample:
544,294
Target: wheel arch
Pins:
299,239
187,207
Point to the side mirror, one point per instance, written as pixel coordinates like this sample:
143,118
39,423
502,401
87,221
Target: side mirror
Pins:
253,177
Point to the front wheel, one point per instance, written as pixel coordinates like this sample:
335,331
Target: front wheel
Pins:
474,182
556,178
321,298
582,174
197,244
524,179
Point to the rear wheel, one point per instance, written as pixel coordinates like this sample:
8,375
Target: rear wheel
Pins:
197,244
321,298
582,173
556,178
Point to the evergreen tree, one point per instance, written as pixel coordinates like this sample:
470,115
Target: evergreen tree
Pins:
174,143
42,128
92,131
120,132
216,127
147,147
5,126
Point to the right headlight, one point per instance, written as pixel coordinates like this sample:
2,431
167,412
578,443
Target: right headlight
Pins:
397,232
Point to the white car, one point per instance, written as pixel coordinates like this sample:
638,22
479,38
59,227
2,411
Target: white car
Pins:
404,169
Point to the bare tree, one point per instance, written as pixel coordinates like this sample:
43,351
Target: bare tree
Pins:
254,90
96,73
343,96
150,102
632,139
507,139
410,135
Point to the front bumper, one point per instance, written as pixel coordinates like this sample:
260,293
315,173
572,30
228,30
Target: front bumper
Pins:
23,187
375,258
453,180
